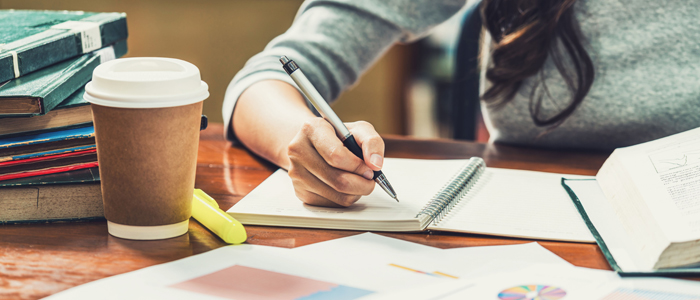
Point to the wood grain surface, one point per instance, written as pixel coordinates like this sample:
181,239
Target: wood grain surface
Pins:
37,260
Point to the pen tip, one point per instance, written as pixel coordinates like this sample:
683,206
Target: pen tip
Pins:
396,198
284,59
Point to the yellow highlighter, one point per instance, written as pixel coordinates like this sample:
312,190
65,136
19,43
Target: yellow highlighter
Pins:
207,212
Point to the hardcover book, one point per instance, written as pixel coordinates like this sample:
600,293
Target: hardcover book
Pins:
32,155
33,39
643,207
48,164
73,112
67,196
48,141
40,92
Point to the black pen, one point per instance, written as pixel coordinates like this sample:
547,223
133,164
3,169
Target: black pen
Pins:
325,110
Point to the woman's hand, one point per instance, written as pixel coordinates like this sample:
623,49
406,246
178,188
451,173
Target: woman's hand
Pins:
324,172
273,120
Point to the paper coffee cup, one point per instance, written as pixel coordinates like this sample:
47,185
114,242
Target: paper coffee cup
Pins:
147,114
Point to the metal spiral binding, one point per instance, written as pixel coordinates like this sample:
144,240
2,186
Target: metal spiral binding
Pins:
454,190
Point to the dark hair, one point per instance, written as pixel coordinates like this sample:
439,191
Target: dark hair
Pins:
525,33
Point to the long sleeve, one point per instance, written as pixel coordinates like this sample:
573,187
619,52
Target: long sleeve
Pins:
335,41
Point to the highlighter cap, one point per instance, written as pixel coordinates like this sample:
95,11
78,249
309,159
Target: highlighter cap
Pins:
207,212
146,82
235,233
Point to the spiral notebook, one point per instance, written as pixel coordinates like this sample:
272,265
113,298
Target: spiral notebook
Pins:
445,195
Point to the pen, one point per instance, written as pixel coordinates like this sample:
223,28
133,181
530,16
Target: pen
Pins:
207,212
325,110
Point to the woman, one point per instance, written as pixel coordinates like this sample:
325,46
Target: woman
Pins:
592,74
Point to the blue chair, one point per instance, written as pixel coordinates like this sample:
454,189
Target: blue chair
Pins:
465,82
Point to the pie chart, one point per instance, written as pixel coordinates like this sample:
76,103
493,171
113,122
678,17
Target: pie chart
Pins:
532,292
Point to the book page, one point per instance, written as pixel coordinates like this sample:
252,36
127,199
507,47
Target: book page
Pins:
519,204
666,173
618,238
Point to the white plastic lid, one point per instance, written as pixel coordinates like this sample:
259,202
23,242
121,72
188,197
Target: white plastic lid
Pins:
146,82
159,232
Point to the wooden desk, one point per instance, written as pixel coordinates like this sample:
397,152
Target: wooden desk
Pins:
41,259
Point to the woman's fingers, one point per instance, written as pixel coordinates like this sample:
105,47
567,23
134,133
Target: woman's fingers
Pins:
311,190
371,143
323,138
323,171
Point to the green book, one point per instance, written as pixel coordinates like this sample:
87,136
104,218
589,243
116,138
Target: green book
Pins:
643,207
38,93
34,39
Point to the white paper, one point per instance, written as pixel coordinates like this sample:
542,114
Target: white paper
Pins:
106,54
658,288
546,281
361,262
555,281
519,204
454,261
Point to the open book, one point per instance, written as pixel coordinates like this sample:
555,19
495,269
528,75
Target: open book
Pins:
447,195
644,206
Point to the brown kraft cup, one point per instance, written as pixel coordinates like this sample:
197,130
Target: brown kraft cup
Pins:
147,114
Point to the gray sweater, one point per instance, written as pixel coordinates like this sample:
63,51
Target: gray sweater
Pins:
646,55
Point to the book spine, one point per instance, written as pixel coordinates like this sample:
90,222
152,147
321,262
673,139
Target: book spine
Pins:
77,133
47,220
77,176
44,52
599,240
48,171
45,157
114,31
46,153
441,204
7,67
45,130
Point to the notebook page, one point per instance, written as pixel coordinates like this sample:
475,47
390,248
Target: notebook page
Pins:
415,182
519,204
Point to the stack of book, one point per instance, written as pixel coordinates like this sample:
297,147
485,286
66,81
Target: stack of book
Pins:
48,159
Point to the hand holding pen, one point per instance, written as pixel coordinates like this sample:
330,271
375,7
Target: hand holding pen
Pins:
348,139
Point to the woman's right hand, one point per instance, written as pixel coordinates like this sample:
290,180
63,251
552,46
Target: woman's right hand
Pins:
324,172
272,119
